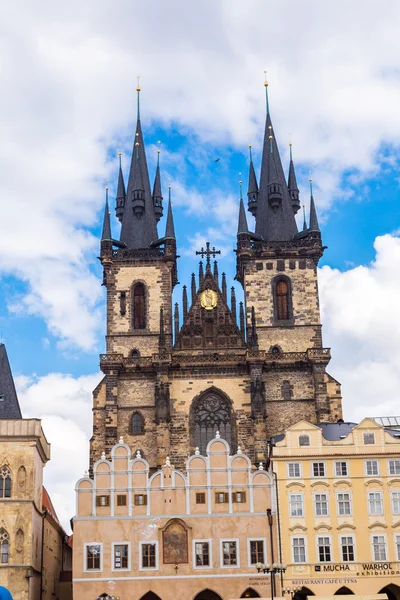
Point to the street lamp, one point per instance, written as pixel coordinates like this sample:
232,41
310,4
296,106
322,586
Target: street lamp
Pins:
291,591
273,569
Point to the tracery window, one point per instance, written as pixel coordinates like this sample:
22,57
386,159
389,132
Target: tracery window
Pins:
5,482
139,306
282,300
137,424
4,546
212,413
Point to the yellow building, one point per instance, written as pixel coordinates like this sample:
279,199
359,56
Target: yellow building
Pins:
172,535
339,506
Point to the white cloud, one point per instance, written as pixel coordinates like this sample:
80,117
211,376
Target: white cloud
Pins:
362,325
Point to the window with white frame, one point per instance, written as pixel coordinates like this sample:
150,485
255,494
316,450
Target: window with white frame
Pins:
318,469
296,505
397,543
324,549
369,438
394,466
395,503
202,553
379,547
344,503
229,553
294,469
148,555
341,469
299,549
256,552
371,467
347,548
375,503
93,557
121,556
321,505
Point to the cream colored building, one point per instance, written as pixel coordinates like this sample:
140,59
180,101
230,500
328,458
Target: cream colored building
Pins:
339,505
173,535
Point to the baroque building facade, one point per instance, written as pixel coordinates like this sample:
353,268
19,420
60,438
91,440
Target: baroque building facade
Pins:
173,377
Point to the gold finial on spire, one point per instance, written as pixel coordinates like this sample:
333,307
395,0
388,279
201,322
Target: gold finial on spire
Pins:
138,84
265,79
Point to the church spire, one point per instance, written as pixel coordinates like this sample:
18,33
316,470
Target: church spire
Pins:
314,226
292,184
139,226
242,225
252,191
9,405
157,194
121,193
275,219
170,228
106,232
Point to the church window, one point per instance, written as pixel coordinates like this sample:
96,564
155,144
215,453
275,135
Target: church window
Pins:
211,413
139,306
122,303
282,298
4,546
286,390
135,353
275,350
137,424
5,482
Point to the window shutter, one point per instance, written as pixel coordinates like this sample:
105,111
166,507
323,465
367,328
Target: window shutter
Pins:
217,498
226,497
244,496
145,499
234,497
98,501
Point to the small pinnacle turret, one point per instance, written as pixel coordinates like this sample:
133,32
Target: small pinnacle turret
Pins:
314,226
292,185
9,405
252,192
157,195
121,193
243,228
170,228
106,232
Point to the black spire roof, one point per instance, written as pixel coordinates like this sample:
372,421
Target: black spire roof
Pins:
9,405
121,193
242,225
292,185
157,193
252,191
275,218
314,226
170,228
139,226
106,233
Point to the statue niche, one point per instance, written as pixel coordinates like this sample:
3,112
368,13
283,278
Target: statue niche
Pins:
258,399
162,402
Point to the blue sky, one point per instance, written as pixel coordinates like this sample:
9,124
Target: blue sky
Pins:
69,105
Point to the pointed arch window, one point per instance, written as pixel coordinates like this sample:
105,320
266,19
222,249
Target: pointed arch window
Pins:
4,546
212,413
139,306
5,482
282,293
137,425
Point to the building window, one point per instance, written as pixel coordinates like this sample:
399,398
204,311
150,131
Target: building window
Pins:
287,390
299,550
397,542
121,499
294,470
221,497
200,498
321,505
239,497
229,553
120,556
304,440
202,554
137,424
139,306
318,469
324,549
379,547
148,556
341,469
347,548
4,546
93,557
369,438
396,503
140,499
282,300
122,303
211,413
375,503
344,504
296,505
5,482
102,500
371,467
394,467
256,552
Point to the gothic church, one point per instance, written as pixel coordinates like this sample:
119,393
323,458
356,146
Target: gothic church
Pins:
174,376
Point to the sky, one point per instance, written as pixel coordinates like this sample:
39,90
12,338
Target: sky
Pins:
68,106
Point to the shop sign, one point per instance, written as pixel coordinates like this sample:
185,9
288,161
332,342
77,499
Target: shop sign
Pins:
318,581
376,569
330,568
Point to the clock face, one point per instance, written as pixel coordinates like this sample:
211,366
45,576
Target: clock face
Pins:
208,299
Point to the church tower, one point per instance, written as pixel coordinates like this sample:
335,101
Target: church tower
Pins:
174,376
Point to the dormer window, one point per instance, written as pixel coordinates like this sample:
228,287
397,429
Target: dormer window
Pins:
304,440
369,438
